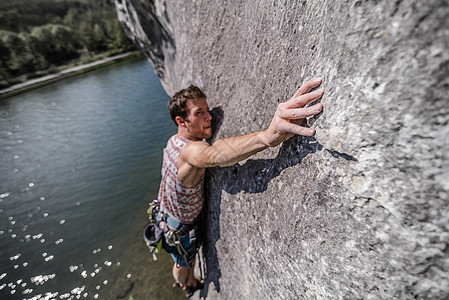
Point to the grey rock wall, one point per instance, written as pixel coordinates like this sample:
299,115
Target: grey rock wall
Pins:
360,211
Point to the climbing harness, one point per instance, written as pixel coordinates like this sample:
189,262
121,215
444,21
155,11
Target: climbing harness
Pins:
164,231
176,234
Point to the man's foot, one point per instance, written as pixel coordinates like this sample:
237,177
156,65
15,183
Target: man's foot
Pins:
190,290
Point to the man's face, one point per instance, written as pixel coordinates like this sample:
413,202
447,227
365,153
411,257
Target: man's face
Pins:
198,119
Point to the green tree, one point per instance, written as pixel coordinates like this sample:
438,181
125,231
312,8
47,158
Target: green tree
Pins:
99,38
38,60
42,41
87,38
17,49
64,43
71,18
118,39
5,52
5,55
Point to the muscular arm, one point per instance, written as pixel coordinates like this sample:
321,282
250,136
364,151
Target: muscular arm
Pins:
223,152
228,151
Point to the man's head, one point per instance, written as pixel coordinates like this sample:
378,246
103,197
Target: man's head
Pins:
189,110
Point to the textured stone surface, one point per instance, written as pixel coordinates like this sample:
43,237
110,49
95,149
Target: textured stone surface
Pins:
360,211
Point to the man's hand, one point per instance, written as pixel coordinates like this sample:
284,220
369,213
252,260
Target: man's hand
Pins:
289,115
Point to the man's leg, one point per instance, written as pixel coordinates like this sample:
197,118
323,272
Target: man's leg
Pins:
180,274
191,280
185,275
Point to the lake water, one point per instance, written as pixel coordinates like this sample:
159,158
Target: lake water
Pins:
79,161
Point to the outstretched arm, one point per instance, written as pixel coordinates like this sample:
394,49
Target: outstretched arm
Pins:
228,151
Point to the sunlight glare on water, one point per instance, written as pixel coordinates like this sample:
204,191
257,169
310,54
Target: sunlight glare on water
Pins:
80,160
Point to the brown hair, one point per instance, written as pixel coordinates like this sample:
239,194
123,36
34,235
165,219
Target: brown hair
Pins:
177,105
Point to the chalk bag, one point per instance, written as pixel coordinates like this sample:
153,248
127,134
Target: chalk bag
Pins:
153,238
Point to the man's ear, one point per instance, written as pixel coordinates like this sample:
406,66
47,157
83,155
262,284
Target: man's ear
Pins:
180,121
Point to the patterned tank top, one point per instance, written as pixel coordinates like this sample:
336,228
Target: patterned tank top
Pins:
180,202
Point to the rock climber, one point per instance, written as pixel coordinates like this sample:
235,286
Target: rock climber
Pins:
187,156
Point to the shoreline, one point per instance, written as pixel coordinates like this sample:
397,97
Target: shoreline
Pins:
67,73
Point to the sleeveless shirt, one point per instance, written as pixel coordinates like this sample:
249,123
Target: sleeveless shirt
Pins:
180,202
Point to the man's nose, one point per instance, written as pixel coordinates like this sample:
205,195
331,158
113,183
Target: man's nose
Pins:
208,116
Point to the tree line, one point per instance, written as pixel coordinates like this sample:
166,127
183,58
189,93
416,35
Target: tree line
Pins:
38,36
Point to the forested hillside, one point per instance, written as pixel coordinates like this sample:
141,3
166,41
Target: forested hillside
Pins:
37,37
